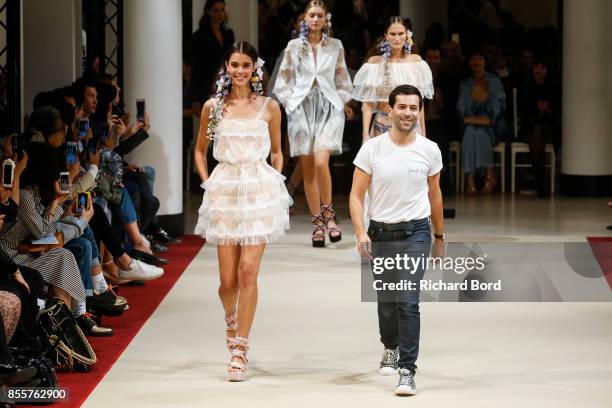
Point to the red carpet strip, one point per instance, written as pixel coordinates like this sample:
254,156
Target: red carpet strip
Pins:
602,249
143,301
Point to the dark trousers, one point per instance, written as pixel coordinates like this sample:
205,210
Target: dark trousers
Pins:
399,318
103,232
438,132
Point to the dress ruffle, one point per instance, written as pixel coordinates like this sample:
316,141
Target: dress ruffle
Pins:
245,204
369,80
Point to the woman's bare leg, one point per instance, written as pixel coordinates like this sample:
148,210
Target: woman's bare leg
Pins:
311,186
229,256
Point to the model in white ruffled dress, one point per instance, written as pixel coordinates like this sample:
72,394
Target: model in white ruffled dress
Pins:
245,203
382,73
245,199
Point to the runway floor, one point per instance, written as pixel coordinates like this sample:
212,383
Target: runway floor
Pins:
315,344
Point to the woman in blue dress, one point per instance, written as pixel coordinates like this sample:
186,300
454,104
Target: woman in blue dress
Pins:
481,106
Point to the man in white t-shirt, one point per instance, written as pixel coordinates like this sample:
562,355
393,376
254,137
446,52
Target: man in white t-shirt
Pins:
400,170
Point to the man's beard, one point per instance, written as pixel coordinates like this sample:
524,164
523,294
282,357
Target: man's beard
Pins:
405,128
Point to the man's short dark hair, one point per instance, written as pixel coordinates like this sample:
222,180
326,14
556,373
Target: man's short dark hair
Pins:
405,90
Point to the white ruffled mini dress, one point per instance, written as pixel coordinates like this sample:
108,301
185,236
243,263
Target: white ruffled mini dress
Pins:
245,199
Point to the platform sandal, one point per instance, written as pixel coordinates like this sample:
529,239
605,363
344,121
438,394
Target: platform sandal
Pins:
237,371
329,216
318,231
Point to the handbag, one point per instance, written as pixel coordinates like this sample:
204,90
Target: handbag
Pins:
27,247
69,348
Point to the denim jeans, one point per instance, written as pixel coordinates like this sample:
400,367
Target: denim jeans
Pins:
124,212
399,318
81,249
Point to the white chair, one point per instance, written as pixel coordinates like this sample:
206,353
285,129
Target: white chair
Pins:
454,161
500,149
517,148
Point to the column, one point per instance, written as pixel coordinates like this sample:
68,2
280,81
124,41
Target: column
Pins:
586,168
51,46
152,70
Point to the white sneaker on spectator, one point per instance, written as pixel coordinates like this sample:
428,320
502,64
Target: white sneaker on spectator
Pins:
141,271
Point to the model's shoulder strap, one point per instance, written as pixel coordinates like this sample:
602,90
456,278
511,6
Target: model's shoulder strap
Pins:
263,108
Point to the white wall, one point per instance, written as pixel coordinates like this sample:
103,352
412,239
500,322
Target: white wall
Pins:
422,14
51,46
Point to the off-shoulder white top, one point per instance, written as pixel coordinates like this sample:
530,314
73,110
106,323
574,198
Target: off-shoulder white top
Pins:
369,80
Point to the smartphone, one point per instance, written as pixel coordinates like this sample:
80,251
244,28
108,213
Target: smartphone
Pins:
91,147
105,131
455,38
83,128
71,152
8,172
83,201
18,143
140,110
65,182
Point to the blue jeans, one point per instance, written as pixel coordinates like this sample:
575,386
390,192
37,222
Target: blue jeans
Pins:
124,212
81,249
399,318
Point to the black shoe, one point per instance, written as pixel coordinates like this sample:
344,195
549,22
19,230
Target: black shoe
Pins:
162,236
148,258
11,374
158,248
107,303
90,328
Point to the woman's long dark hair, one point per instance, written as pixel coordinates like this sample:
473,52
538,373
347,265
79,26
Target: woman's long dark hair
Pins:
44,120
205,19
44,166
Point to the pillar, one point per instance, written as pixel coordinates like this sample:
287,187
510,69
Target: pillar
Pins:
152,70
586,168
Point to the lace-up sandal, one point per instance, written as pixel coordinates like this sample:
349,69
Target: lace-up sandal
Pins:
237,370
231,325
329,216
318,231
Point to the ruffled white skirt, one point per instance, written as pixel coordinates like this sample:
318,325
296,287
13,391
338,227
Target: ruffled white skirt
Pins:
244,204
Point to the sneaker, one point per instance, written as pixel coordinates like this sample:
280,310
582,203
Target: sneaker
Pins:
141,271
388,363
406,385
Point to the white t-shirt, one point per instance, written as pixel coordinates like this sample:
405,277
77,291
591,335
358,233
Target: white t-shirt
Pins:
398,186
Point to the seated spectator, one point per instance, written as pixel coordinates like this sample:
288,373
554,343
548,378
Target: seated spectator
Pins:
538,108
481,106
39,210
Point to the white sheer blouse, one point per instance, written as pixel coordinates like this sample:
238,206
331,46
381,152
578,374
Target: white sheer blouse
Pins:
299,71
369,80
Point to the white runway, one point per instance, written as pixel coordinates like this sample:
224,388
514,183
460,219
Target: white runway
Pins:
314,344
